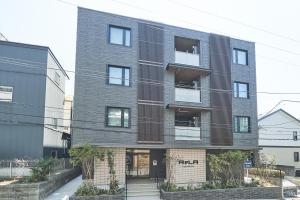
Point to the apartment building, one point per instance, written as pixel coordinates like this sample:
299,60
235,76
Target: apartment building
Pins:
150,91
32,90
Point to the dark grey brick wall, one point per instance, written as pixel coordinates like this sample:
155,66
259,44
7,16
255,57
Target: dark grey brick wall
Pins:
92,93
226,194
245,107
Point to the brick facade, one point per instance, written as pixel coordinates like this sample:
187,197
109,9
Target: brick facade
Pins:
101,169
186,173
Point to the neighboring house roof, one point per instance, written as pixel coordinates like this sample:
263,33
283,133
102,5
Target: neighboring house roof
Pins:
36,47
283,111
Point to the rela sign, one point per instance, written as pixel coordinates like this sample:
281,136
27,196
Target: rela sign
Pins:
188,162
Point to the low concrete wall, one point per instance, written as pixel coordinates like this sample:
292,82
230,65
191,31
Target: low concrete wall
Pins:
222,194
289,170
102,197
37,191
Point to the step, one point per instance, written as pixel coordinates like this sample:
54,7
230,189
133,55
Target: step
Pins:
137,187
144,198
141,191
143,194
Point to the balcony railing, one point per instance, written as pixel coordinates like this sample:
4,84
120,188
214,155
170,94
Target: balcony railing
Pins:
187,133
187,58
187,95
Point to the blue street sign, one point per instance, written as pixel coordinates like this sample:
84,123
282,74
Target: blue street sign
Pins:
248,164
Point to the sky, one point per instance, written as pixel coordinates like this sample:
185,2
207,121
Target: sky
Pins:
272,24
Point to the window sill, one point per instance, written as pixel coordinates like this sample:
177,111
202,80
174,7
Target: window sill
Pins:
119,45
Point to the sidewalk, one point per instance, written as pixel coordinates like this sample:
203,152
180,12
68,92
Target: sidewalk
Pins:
66,191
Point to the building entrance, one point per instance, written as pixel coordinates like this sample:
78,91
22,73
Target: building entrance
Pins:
137,162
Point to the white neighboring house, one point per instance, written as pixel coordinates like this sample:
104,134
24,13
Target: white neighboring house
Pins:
279,137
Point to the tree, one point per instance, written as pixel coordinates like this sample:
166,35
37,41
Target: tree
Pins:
227,168
113,183
84,156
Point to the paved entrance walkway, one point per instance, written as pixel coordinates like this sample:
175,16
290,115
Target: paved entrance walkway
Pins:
66,191
142,189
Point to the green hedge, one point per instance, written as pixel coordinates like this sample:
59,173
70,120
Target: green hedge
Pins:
266,172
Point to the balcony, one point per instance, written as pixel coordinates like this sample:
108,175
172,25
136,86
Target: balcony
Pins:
187,133
187,125
187,95
187,51
187,58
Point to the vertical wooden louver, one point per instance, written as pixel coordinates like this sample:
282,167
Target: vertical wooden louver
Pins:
221,97
150,85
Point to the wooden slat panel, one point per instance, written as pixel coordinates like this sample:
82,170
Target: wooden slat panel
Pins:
151,43
150,86
150,122
221,101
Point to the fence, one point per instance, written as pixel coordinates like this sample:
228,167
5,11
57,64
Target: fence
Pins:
17,168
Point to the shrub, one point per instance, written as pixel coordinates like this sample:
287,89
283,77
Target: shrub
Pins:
41,170
266,172
227,168
169,187
84,156
254,183
89,189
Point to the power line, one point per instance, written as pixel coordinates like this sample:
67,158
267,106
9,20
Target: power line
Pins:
236,21
180,19
194,24
148,81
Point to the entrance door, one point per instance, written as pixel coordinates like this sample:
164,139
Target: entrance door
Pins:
138,163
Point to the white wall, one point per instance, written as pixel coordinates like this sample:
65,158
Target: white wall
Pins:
277,130
55,94
283,155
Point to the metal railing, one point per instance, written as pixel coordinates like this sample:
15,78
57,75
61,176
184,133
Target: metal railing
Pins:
126,175
158,181
22,167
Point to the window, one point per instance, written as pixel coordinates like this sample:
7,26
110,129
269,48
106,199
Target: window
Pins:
54,154
241,90
295,136
6,93
118,75
57,78
55,123
120,35
240,57
296,156
118,117
241,124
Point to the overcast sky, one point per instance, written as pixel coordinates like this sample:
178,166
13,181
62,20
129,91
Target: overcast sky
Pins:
53,23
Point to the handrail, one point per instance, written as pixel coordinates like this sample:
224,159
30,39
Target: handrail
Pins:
126,185
157,180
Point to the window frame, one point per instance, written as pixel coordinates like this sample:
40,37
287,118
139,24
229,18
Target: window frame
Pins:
55,125
296,156
122,117
123,35
12,94
123,75
235,55
295,136
57,78
238,128
238,91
